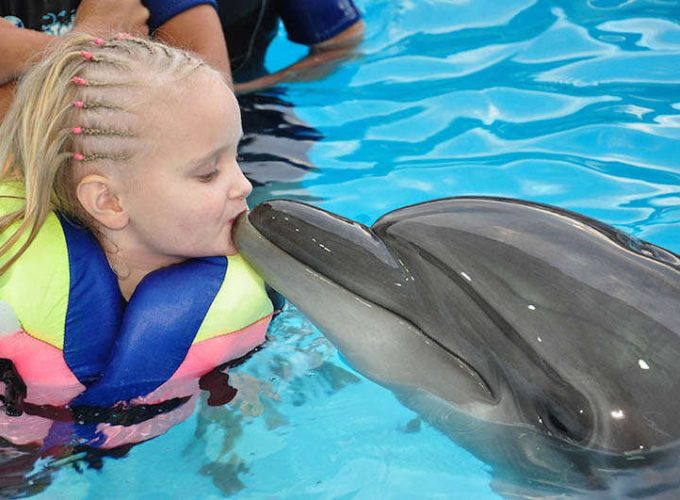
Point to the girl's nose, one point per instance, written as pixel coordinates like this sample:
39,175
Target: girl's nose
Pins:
240,187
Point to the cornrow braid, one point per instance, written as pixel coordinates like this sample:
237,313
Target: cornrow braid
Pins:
89,105
98,131
79,81
166,50
100,156
145,44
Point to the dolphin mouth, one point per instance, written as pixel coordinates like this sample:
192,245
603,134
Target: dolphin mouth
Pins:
239,223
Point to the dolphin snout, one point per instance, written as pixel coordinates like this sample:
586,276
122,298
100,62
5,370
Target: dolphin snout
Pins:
341,249
286,224
295,226
273,220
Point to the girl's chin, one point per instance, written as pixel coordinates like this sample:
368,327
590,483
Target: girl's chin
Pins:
230,249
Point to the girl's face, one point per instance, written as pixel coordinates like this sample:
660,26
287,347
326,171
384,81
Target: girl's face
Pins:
183,194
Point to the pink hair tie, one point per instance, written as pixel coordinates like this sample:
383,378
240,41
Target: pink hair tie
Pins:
98,41
79,81
78,104
87,55
123,36
77,130
78,156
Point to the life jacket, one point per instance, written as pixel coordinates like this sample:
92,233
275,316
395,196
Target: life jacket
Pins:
74,341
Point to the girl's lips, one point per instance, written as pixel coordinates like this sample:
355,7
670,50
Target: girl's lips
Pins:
233,219
233,223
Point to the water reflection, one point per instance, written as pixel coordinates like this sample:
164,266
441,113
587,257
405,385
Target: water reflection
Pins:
296,373
275,142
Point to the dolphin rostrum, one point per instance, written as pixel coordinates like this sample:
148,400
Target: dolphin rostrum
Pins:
528,333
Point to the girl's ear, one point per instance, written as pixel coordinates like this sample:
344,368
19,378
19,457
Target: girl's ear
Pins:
98,199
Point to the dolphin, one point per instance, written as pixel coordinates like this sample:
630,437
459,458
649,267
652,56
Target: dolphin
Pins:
542,340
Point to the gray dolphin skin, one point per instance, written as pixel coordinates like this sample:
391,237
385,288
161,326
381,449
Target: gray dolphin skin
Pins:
545,342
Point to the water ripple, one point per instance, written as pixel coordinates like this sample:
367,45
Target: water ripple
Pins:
419,68
562,41
650,68
655,34
487,106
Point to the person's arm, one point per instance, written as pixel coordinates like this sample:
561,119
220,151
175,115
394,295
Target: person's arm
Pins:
321,60
18,47
105,17
199,30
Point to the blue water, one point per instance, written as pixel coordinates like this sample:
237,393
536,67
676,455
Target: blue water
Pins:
574,103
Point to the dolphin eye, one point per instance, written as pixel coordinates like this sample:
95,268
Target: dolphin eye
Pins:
568,424
566,415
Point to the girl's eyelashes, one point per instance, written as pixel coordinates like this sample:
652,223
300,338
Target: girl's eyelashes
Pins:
214,165
208,177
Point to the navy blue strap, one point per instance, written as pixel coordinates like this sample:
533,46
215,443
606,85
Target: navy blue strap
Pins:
313,21
95,305
161,11
159,326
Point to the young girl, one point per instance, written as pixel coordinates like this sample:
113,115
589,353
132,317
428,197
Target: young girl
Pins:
136,142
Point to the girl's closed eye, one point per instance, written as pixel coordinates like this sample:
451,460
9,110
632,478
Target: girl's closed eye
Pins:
208,177
209,171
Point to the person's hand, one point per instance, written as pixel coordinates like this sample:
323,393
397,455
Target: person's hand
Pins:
109,16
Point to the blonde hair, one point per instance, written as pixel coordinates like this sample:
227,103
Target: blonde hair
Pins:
76,109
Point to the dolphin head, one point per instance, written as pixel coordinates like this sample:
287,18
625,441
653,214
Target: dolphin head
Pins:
510,312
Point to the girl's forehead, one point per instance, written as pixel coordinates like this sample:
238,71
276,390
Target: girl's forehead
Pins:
193,121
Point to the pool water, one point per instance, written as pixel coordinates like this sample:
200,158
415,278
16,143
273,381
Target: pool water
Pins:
574,103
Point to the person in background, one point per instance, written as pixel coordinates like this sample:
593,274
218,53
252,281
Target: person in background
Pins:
331,28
